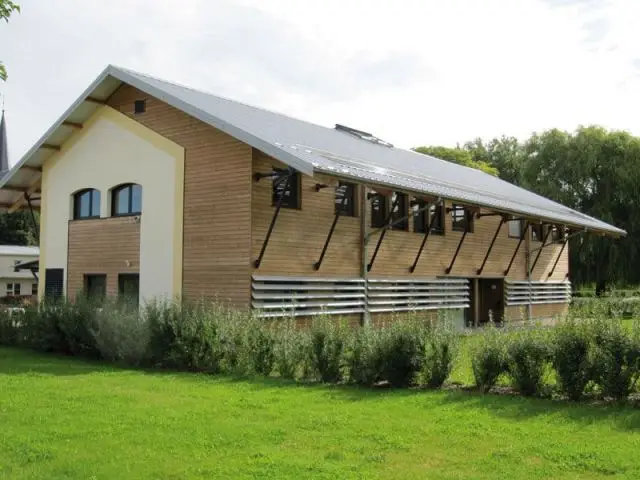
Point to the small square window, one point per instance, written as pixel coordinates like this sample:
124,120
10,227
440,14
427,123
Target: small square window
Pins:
139,106
399,218
462,219
287,187
95,286
515,228
345,199
557,234
378,210
536,232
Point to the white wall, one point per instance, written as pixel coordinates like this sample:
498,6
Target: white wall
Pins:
111,150
8,275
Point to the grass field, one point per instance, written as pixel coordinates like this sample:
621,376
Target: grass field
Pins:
64,418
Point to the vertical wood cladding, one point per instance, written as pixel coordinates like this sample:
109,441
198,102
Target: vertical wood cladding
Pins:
217,199
106,246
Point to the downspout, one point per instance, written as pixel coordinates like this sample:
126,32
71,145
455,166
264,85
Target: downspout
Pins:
364,252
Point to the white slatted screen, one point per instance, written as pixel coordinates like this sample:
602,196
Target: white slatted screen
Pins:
523,292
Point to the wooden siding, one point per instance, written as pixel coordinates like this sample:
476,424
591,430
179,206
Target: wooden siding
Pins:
217,199
106,246
299,234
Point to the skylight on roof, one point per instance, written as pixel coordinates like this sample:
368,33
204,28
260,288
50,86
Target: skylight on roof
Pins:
362,135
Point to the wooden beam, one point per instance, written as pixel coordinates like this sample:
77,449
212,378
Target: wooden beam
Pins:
31,169
95,100
48,146
15,189
35,188
67,123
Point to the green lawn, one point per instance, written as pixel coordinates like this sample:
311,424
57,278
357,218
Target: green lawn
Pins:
64,418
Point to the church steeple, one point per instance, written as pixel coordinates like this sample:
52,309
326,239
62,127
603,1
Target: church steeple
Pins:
4,147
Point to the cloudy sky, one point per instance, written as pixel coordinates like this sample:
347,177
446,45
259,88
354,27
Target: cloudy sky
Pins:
411,72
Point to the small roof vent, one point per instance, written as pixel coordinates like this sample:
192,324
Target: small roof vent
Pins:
362,135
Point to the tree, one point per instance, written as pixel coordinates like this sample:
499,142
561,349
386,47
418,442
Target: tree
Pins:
457,155
504,154
17,229
7,7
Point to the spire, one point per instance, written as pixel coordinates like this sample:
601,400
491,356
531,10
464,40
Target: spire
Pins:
4,147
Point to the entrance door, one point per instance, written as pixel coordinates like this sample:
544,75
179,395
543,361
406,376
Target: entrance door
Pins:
491,300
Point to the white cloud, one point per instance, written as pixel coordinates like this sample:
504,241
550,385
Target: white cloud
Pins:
412,72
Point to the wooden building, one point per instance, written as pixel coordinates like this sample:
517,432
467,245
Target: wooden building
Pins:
158,190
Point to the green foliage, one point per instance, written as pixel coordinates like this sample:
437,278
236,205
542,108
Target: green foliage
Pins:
441,349
457,155
572,359
402,353
489,358
291,349
615,359
7,7
366,363
527,357
328,342
17,228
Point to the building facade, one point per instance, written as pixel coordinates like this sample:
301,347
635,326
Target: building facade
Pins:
155,190
17,285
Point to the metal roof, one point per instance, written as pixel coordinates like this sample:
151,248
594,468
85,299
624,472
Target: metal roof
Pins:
308,148
19,250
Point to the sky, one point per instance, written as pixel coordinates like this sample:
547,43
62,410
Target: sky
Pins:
412,72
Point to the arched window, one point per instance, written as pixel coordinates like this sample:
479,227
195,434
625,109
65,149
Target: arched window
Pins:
126,200
86,204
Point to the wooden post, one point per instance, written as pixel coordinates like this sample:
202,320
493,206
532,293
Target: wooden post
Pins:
364,255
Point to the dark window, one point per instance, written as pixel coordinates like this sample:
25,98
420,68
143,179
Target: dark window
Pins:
438,223
126,200
346,199
515,228
462,219
34,289
9,289
86,204
129,288
95,286
378,210
420,216
139,106
557,234
53,282
536,232
400,205
289,189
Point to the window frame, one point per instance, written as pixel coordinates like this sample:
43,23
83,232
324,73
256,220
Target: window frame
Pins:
17,287
557,233
9,289
121,295
85,283
374,221
34,289
114,200
520,227
465,223
537,232
426,215
402,211
294,187
77,208
348,209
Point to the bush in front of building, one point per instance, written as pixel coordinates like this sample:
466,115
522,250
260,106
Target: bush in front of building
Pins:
572,359
488,358
615,358
328,349
528,355
441,349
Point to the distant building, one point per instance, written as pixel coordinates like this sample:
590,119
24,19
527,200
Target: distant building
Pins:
17,282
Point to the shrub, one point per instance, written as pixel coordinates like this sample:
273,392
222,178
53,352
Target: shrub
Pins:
328,349
261,346
121,335
9,326
76,320
365,362
615,359
441,347
291,349
488,358
184,336
527,356
402,353
571,358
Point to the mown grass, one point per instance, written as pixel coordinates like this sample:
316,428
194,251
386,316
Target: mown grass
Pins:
65,418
